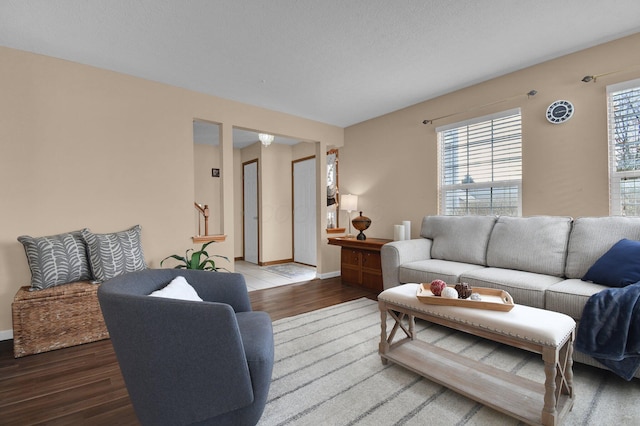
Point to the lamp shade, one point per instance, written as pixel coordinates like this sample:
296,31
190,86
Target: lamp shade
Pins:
349,202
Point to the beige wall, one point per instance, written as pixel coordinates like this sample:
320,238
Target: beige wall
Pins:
391,162
275,203
85,147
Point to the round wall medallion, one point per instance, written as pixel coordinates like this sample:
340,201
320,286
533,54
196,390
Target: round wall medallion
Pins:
559,112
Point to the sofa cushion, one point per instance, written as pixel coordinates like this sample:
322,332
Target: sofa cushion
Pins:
115,254
526,288
459,238
570,296
532,244
56,259
591,237
425,271
618,267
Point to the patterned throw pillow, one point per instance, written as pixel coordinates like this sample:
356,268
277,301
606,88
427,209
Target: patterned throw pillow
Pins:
114,254
56,259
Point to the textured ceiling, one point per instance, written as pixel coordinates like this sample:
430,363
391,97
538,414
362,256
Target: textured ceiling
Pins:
335,61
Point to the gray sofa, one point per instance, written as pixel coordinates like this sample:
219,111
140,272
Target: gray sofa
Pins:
190,362
539,260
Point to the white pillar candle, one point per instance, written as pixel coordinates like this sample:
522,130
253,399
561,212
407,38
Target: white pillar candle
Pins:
398,232
407,229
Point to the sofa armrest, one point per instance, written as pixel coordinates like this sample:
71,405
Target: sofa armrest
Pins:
397,253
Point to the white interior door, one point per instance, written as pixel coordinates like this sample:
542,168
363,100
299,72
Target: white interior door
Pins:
250,211
304,212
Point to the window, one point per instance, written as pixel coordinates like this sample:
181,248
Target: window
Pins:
481,166
624,148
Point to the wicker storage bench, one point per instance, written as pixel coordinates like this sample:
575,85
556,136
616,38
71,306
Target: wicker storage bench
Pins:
56,317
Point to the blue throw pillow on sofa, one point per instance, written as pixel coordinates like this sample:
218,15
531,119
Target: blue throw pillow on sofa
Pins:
618,267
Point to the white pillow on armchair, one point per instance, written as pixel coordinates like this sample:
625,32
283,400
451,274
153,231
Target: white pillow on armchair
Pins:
178,288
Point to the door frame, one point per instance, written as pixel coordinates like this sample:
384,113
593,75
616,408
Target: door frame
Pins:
257,210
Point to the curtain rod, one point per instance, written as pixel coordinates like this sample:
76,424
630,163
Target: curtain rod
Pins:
528,95
594,77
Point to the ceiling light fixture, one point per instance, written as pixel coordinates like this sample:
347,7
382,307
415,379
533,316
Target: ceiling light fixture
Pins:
266,138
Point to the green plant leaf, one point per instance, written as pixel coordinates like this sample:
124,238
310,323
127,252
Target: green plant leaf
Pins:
196,259
205,245
211,267
174,256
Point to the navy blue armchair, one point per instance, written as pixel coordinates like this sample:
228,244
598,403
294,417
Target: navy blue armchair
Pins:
187,362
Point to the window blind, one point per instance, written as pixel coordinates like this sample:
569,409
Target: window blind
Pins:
481,166
623,104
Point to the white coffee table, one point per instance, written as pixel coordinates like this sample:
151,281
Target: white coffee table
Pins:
548,333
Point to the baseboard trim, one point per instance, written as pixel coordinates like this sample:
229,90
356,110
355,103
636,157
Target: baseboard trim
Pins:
275,262
6,334
328,275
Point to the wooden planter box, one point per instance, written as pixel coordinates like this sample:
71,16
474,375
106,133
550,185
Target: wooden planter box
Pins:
56,317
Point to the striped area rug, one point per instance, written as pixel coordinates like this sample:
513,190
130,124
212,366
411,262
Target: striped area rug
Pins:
328,372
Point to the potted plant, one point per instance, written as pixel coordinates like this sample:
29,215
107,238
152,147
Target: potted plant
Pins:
196,259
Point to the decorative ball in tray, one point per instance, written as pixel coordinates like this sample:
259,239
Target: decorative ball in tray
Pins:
461,294
464,290
438,287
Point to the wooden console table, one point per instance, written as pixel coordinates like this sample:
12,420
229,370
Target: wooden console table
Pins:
360,262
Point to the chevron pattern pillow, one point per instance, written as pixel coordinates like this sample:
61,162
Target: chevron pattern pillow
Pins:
114,254
56,259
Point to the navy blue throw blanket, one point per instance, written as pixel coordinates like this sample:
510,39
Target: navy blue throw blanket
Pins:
609,329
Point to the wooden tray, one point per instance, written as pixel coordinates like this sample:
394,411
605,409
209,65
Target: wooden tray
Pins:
492,299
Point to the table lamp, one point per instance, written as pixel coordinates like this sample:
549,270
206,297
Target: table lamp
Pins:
349,202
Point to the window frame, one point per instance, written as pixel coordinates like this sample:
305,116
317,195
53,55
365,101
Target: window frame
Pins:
615,177
444,188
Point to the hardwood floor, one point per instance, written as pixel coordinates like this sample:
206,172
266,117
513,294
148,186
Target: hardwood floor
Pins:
82,385
293,299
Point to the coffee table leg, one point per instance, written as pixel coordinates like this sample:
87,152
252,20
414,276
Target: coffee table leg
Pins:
384,345
549,412
412,327
569,369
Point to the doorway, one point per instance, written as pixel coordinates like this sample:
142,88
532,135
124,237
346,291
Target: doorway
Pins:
250,211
